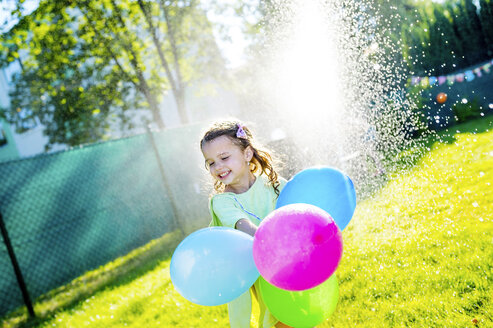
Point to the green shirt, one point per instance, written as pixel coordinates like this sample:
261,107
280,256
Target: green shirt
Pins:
254,204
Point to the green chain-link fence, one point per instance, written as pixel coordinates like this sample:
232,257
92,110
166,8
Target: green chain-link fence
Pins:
73,211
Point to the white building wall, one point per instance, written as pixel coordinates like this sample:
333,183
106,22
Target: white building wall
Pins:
31,142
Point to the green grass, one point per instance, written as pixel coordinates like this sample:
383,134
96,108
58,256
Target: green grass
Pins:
418,253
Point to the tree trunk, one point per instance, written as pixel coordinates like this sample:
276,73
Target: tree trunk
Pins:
176,86
180,97
143,86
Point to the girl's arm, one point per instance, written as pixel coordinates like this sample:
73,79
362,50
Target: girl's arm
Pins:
246,226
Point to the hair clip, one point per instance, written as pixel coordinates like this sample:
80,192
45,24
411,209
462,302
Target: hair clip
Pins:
240,133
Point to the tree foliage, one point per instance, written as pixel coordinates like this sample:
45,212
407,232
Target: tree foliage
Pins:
486,19
90,66
448,36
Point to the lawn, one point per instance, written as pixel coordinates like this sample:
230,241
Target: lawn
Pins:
418,253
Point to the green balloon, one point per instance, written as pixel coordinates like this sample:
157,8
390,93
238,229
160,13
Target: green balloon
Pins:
300,309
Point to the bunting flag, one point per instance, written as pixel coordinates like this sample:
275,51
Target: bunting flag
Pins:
424,81
468,75
487,67
477,71
450,79
415,80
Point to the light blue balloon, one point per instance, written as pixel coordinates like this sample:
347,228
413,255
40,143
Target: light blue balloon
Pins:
325,187
213,266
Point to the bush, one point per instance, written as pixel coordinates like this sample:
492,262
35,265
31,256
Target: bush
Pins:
417,104
464,111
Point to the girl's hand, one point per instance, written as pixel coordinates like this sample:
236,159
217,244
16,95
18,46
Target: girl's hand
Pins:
246,226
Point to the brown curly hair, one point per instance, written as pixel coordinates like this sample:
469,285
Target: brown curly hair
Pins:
261,161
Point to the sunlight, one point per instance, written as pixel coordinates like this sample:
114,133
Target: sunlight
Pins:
307,84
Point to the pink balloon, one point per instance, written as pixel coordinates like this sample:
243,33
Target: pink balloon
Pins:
297,247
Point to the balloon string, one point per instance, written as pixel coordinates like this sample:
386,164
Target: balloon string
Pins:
259,219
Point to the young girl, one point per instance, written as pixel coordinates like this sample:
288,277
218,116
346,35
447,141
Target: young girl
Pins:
247,187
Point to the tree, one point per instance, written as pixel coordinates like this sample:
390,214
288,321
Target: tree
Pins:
90,66
444,46
486,18
470,31
173,18
415,41
448,36
459,50
59,85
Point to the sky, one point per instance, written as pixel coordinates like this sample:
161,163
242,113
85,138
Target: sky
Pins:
7,5
232,49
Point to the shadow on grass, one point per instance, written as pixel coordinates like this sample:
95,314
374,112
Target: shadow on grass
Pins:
116,273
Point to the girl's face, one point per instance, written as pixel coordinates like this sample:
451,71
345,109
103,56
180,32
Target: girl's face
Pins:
227,162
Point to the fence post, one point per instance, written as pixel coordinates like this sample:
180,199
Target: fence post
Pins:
17,269
165,181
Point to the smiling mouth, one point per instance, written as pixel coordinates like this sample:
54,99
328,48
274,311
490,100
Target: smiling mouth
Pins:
223,175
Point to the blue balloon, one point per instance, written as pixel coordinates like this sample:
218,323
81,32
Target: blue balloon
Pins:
325,187
213,266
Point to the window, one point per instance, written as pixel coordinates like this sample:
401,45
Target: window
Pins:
3,137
